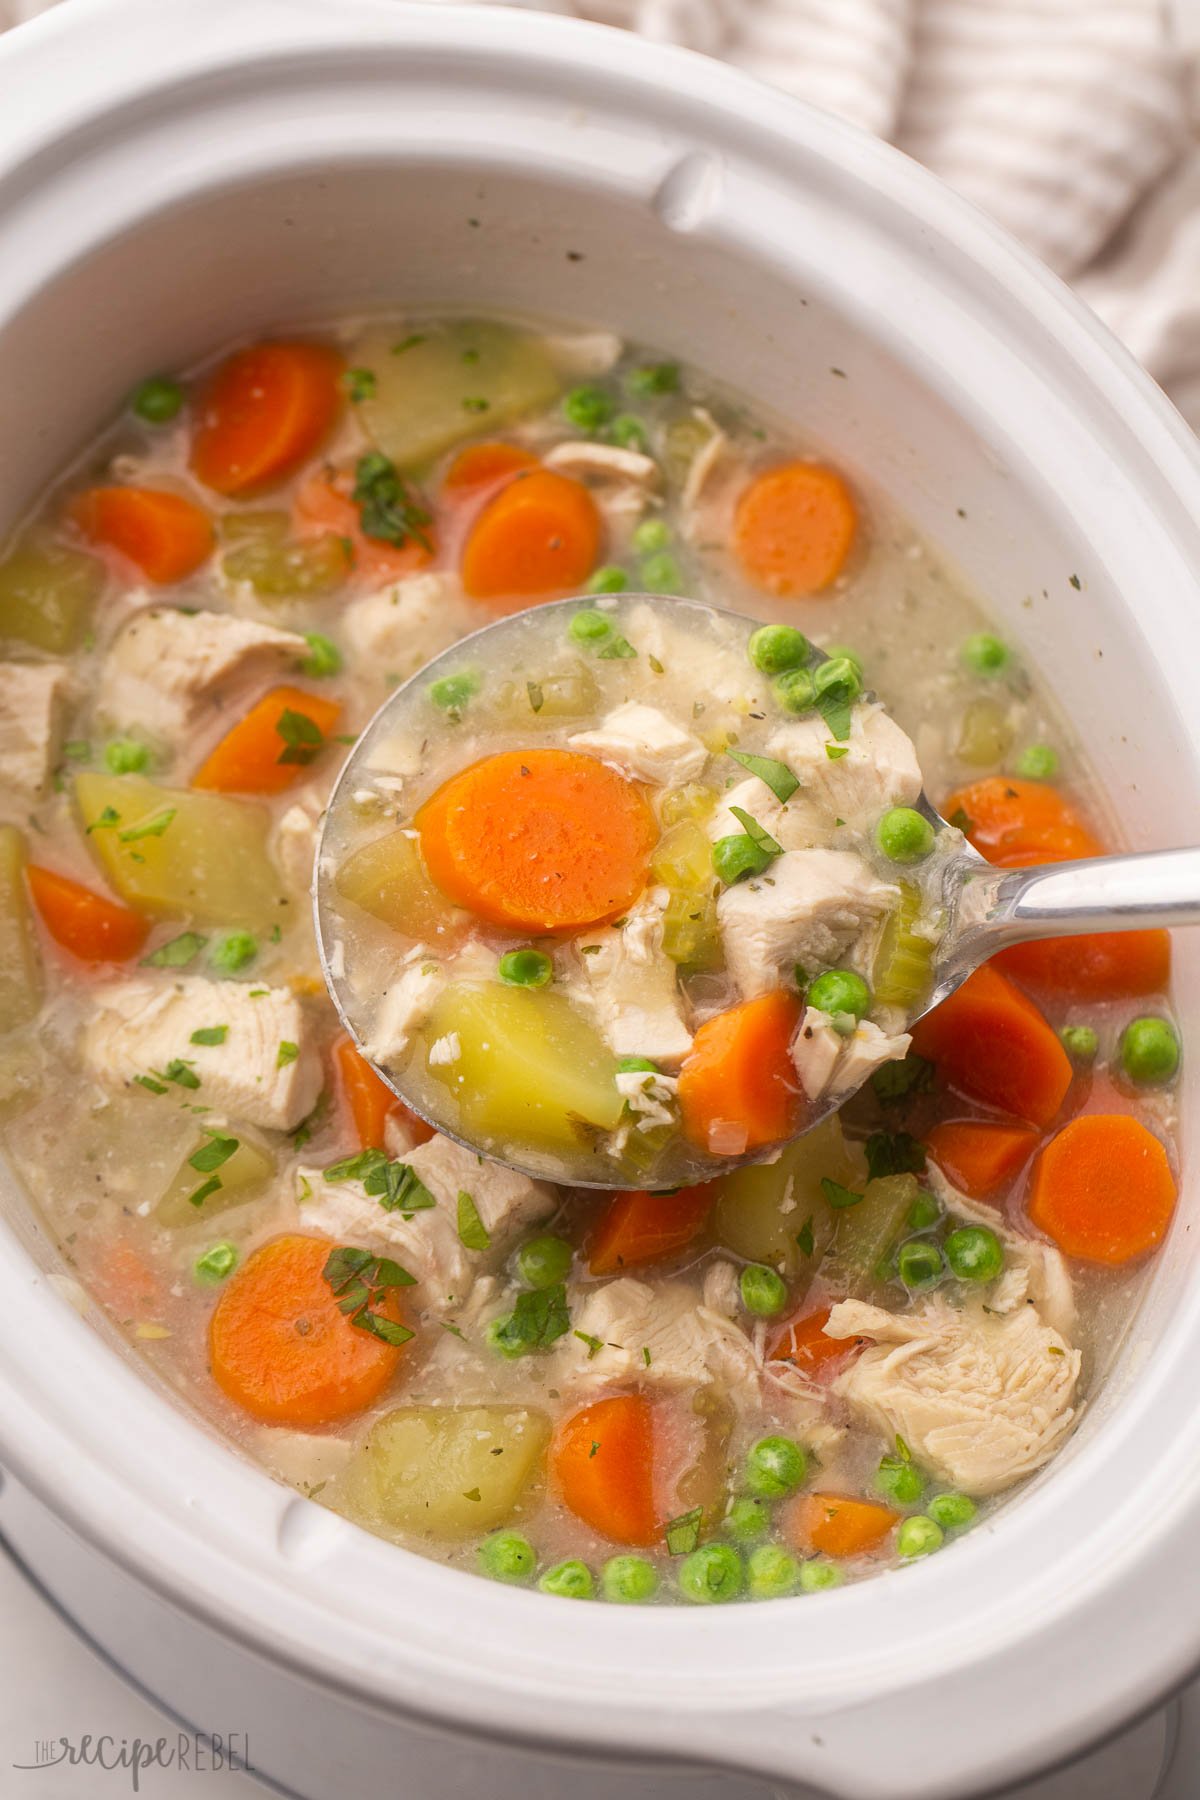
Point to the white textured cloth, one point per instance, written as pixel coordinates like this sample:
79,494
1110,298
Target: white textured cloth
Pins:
1070,121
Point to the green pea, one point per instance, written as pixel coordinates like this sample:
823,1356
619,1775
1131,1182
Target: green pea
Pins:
629,1579
737,857
158,400
775,1466
776,648
589,627
900,1480
588,407
525,968
843,653
985,654
1149,1050
571,1580
764,1293
216,1263
323,659
747,1520
628,431
662,574
951,1511
502,1336
795,691
544,1261
125,756
919,1537
904,835
452,692
840,674
233,952
771,1572
1038,762
609,579
651,536
711,1574
840,991
507,1556
975,1253
817,1575
923,1212
654,378
1080,1043
919,1264
636,1065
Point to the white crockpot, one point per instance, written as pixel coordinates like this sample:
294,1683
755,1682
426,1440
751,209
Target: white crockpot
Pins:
172,174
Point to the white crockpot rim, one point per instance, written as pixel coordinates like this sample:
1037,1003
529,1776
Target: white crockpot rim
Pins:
183,1513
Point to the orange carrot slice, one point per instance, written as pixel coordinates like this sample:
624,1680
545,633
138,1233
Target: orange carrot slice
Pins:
283,1350
164,535
538,537
978,1157
324,503
264,411
89,925
637,1227
540,840
991,1043
738,1088
370,1100
484,466
839,1525
603,1465
1103,1190
273,744
803,1344
794,528
1104,965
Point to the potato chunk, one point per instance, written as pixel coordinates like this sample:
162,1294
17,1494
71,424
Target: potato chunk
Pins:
47,592
178,852
387,878
448,1472
764,1210
194,1194
20,965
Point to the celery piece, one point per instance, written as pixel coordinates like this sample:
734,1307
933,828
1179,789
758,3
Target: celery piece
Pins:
20,964
47,591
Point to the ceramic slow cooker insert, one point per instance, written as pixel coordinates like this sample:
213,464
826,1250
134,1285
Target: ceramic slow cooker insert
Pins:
171,177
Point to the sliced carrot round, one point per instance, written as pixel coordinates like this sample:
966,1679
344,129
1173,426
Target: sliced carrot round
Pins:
794,528
638,1227
541,840
273,744
978,1157
538,537
738,1088
370,1099
1104,965
325,503
264,411
603,1466
1103,1190
839,1525
164,534
282,1348
89,925
483,466
1014,822
990,1042
803,1343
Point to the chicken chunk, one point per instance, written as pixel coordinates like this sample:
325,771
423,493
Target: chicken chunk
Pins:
645,743
294,846
629,989
583,354
879,769
816,908
1034,1272
830,1065
426,1242
690,1344
265,1071
982,1400
392,633
169,671
33,698
605,463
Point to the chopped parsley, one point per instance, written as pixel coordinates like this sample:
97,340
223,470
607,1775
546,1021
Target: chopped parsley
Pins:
145,828
836,707
393,1184
210,1034
360,384
312,1122
898,1080
324,657
538,1320
104,821
233,952
804,1237
125,756
303,739
177,952
408,343
77,750
839,1197
286,1053
835,751
361,1283
683,1532
893,1153
204,1190
754,831
180,1072
593,1343
212,1155
536,698
472,1232
616,648
387,510
777,775
474,403
151,1086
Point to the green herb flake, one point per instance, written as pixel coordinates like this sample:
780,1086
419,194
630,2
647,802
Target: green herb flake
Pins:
838,1197
233,952
408,343
836,751
616,648
315,1119
646,1357
180,1072
893,1153
303,739
804,1237
536,697
125,756
682,1533
899,1080
206,1188
777,775
323,659
472,1494
77,750
538,1320
146,828
475,403
151,1086
177,952
104,821
473,1234
286,1053
360,1283
594,1344
655,665
755,832
958,818
836,707
387,510
360,384
212,1155
210,1034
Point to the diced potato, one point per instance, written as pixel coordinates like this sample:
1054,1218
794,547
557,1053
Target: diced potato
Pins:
387,878
47,592
448,382
683,857
763,1209
448,1472
868,1233
20,964
209,861
241,1176
529,1068
985,734
692,931
904,963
